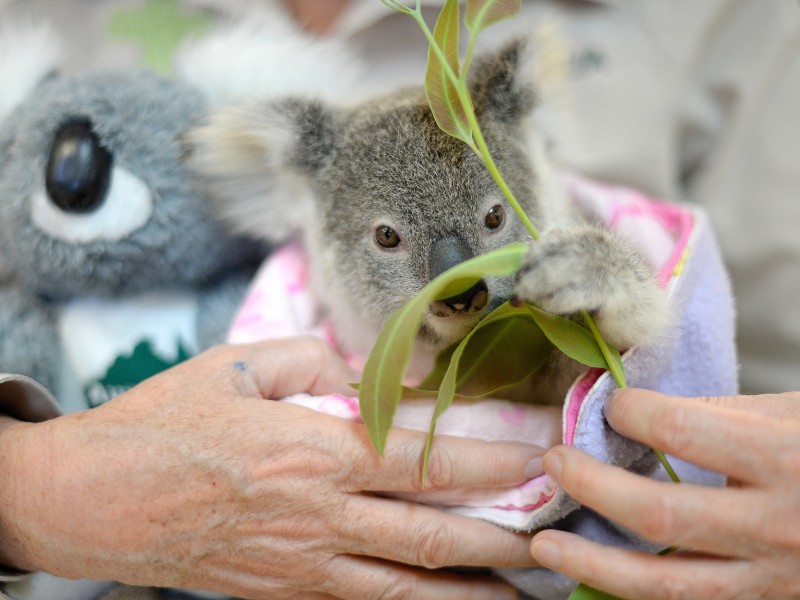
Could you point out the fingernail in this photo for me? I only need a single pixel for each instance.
(534, 468)
(547, 554)
(552, 465)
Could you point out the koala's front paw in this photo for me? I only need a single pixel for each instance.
(591, 269)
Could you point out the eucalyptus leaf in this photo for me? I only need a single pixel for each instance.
(433, 379)
(400, 7)
(611, 355)
(451, 380)
(381, 383)
(569, 337)
(442, 76)
(482, 13)
(584, 592)
(504, 349)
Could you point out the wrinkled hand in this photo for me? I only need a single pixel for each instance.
(193, 480)
(741, 541)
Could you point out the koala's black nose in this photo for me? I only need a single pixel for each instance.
(472, 300)
(444, 254)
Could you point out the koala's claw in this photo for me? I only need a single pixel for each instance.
(592, 269)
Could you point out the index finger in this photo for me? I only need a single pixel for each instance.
(785, 405)
(454, 463)
(709, 435)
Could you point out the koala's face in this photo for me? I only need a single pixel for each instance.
(383, 199)
(400, 202)
(93, 196)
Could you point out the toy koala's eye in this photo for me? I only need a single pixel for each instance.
(387, 237)
(495, 217)
(79, 168)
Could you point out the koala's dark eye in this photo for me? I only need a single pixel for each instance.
(495, 217)
(79, 168)
(387, 237)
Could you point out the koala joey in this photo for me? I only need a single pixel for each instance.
(384, 201)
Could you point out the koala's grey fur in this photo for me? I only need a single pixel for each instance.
(331, 176)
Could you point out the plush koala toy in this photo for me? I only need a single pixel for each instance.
(112, 267)
(384, 201)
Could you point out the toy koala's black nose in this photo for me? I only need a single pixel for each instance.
(472, 300)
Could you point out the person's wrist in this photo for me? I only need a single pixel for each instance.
(22, 465)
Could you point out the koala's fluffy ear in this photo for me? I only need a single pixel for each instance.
(247, 59)
(257, 161)
(28, 53)
(502, 83)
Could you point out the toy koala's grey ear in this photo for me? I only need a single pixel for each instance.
(257, 160)
(28, 53)
(502, 83)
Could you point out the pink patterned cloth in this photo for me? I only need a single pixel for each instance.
(279, 305)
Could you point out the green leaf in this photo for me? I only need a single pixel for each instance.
(482, 13)
(611, 355)
(503, 350)
(569, 337)
(381, 383)
(584, 592)
(442, 77)
(433, 379)
(400, 7)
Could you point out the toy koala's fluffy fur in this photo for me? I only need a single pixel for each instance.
(383, 201)
(99, 217)
(95, 202)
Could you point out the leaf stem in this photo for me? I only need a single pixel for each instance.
(479, 145)
(486, 156)
(616, 373)
(619, 377)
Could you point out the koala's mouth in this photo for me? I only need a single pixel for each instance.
(468, 303)
(450, 319)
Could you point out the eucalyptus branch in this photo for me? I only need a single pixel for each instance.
(460, 121)
(459, 83)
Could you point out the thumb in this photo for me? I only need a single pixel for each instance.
(296, 365)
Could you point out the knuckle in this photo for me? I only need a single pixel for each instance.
(716, 401)
(435, 547)
(675, 588)
(659, 523)
(578, 482)
(442, 470)
(395, 586)
(316, 349)
(220, 352)
(671, 433)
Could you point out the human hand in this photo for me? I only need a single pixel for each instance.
(193, 480)
(741, 541)
(317, 17)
